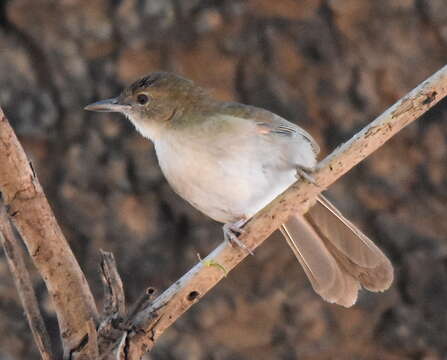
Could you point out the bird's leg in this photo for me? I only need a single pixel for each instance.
(305, 173)
(232, 231)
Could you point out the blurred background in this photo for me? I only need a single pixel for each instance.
(331, 66)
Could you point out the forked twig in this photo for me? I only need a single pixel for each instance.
(30, 212)
(16, 261)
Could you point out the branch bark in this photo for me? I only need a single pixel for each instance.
(153, 321)
(16, 262)
(114, 299)
(31, 214)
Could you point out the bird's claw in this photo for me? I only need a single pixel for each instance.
(232, 231)
(305, 174)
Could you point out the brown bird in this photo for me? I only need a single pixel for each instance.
(229, 160)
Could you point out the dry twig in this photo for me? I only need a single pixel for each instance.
(114, 311)
(31, 214)
(114, 300)
(16, 261)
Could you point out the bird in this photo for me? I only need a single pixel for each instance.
(229, 160)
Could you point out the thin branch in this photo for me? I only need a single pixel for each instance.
(91, 351)
(144, 301)
(115, 324)
(31, 214)
(114, 303)
(171, 304)
(16, 261)
(114, 300)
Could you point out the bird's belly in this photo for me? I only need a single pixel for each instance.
(224, 188)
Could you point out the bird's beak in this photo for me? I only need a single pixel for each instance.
(108, 105)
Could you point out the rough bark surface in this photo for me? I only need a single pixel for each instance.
(31, 214)
(329, 66)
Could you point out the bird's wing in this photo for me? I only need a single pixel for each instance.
(268, 123)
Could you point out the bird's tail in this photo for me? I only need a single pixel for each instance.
(337, 257)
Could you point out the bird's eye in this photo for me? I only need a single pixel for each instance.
(142, 99)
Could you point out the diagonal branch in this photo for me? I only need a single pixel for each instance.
(16, 262)
(177, 299)
(31, 214)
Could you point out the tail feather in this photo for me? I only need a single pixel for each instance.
(337, 257)
(327, 278)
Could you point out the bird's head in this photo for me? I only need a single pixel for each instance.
(154, 101)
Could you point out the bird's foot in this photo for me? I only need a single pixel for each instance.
(305, 173)
(232, 231)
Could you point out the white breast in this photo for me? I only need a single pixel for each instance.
(229, 177)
